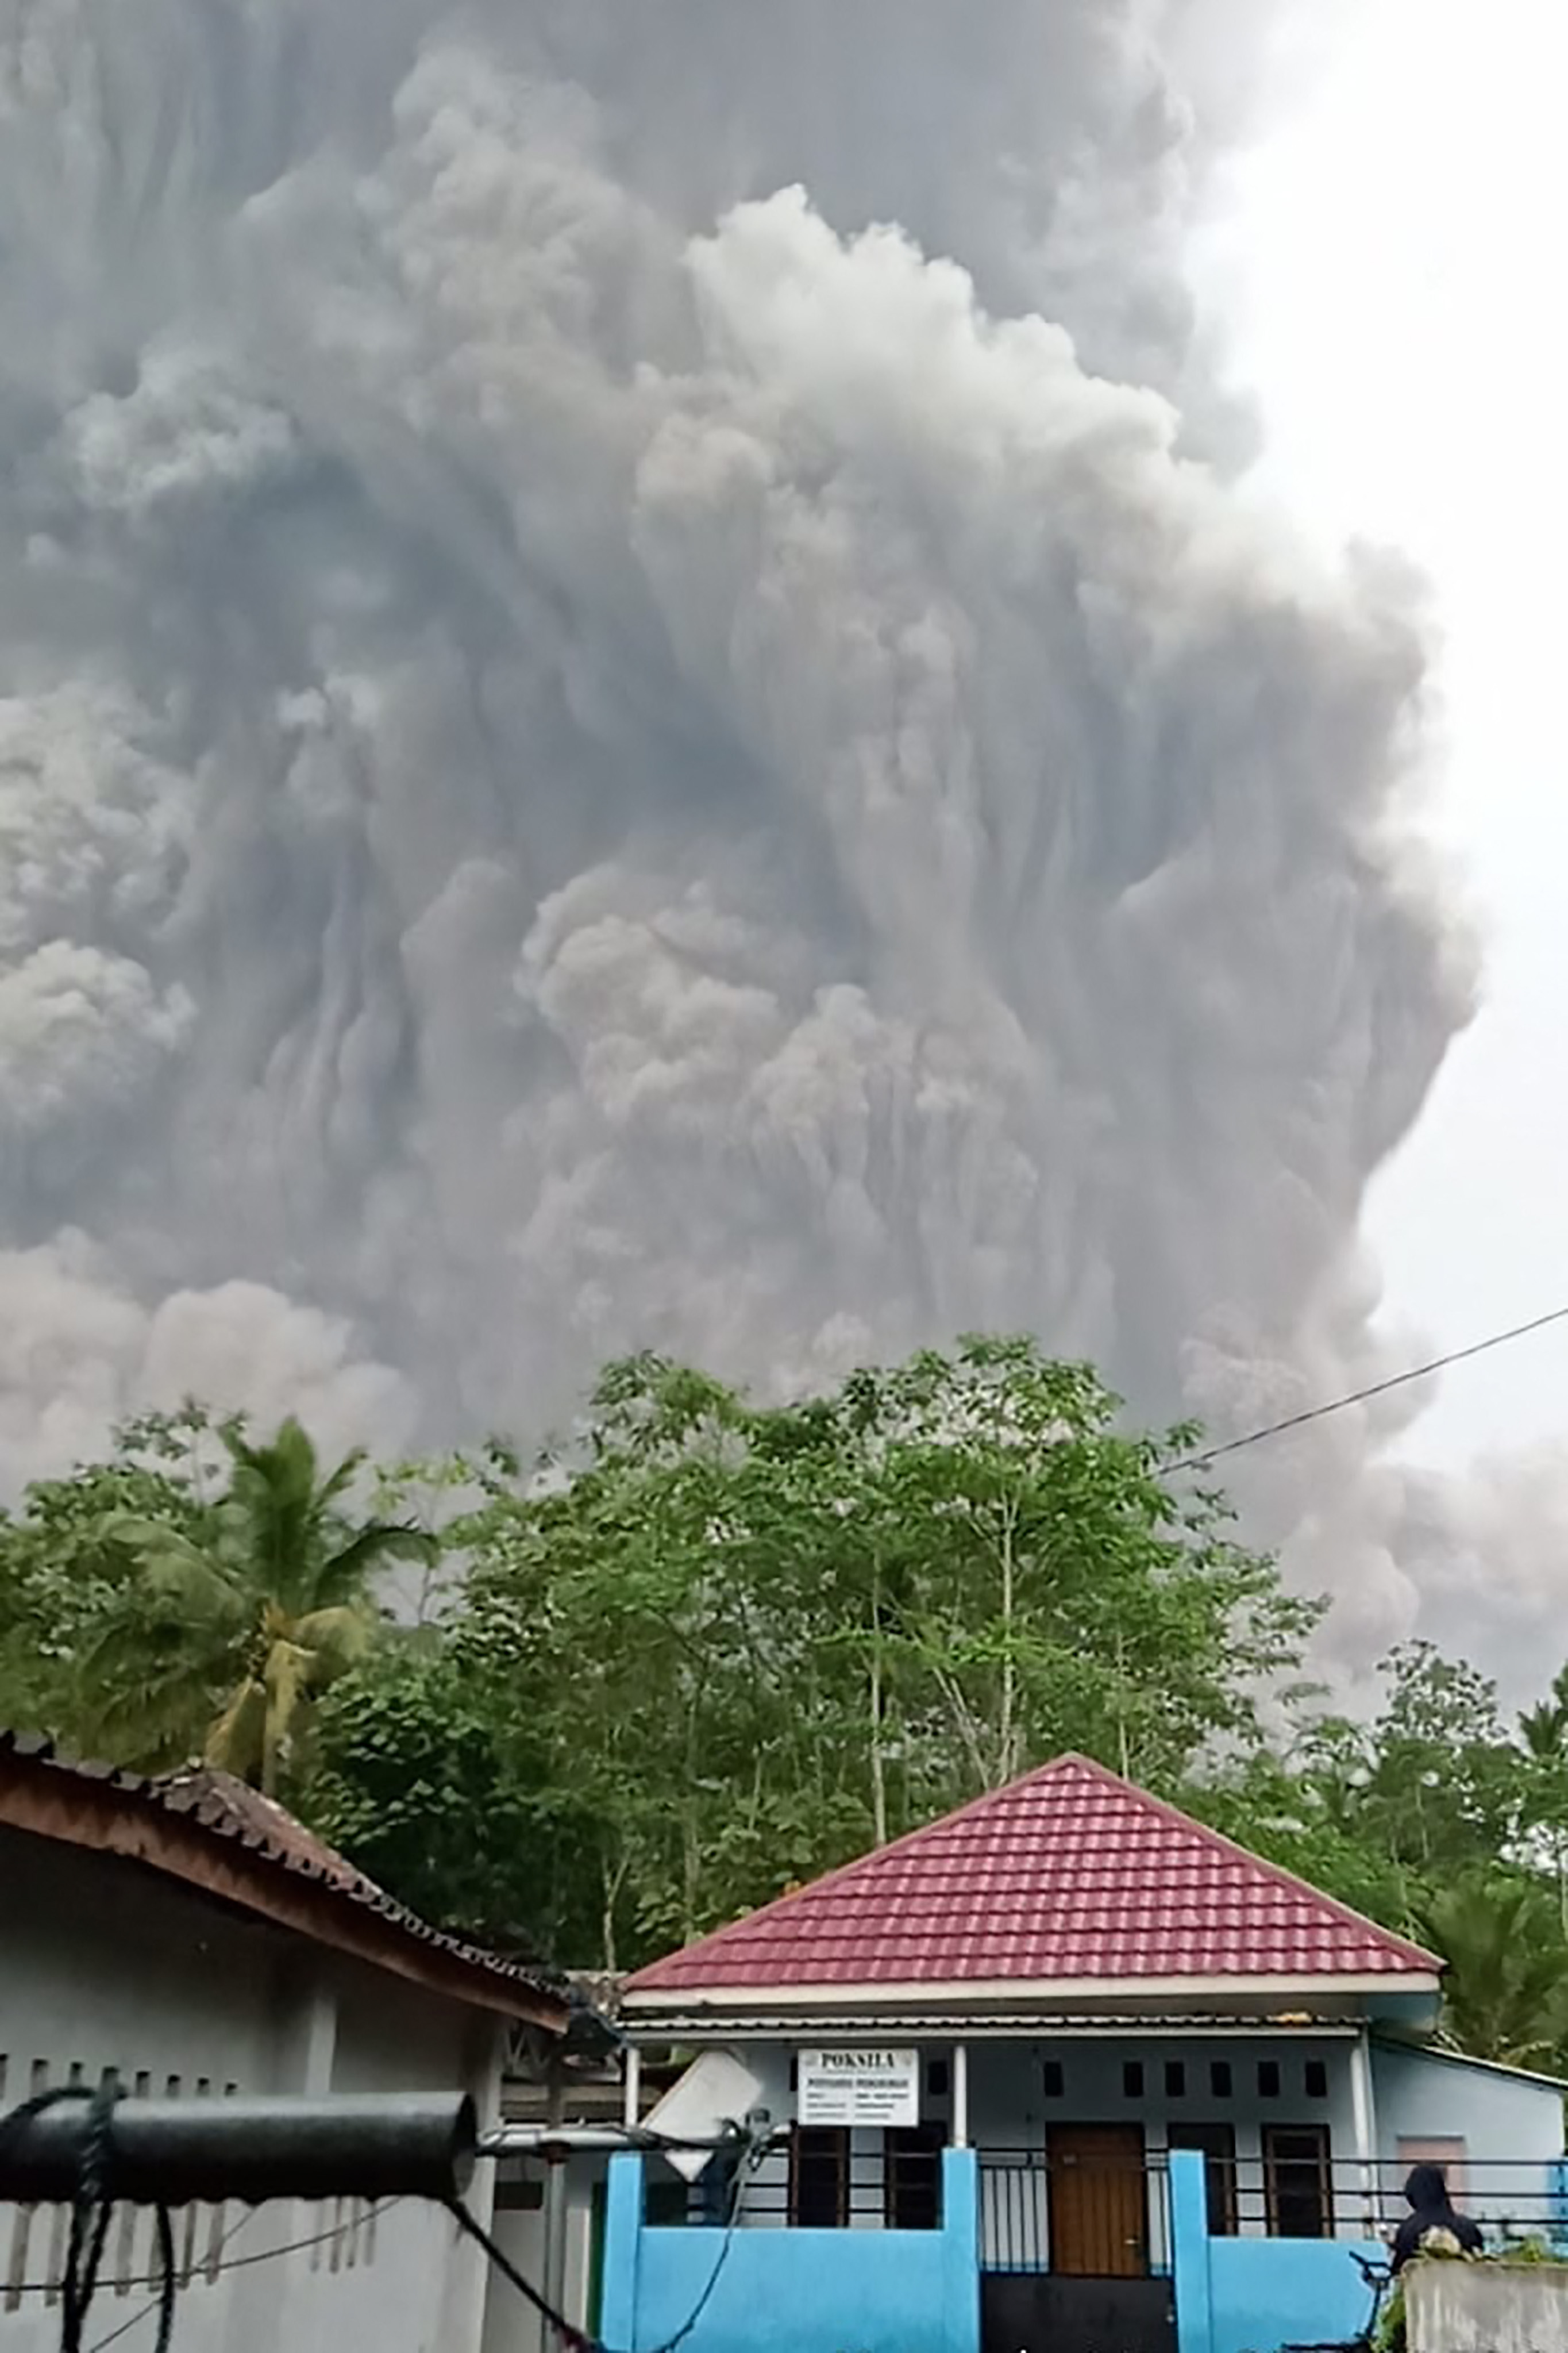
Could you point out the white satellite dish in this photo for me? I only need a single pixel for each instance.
(717, 2090)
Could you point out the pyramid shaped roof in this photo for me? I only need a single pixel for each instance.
(1069, 1878)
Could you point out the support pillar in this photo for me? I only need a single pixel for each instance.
(1190, 2251)
(623, 2251)
(1366, 2122)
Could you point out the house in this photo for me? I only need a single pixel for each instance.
(192, 1936)
(1066, 2068)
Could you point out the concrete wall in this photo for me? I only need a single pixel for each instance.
(1009, 2109)
(1247, 2295)
(1511, 2126)
(1486, 2307)
(510, 2325)
(803, 2292)
(1009, 2112)
(104, 1965)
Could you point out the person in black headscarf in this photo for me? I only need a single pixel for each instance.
(1432, 2209)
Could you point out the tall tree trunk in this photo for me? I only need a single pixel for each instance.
(610, 1884)
(878, 1775)
(1008, 1730)
(1123, 1752)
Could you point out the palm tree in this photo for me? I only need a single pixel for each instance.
(224, 1643)
(1543, 1735)
(1505, 1995)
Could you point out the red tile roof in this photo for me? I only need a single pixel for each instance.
(1070, 1875)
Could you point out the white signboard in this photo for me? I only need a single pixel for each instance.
(858, 2088)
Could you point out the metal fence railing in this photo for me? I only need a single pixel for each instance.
(1063, 2205)
(1294, 2189)
(1113, 2218)
(812, 2183)
(1051, 2207)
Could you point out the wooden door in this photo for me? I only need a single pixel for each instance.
(1098, 2207)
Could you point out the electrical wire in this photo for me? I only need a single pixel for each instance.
(93, 2207)
(576, 2339)
(164, 2303)
(208, 2270)
(1207, 1454)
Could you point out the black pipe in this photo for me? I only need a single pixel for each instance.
(208, 2151)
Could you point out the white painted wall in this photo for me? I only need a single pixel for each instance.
(106, 1965)
(511, 2326)
(1512, 2127)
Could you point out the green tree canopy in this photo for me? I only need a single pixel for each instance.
(241, 1611)
(753, 1639)
(711, 1646)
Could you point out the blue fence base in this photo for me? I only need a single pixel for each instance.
(791, 2291)
(1250, 2295)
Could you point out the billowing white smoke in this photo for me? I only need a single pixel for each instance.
(599, 749)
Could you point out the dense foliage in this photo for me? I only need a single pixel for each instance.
(710, 1647)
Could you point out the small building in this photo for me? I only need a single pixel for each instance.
(191, 1937)
(1066, 2068)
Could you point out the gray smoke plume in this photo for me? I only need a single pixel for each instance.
(642, 706)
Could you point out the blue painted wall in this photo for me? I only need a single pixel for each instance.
(1264, 2293)
(796, 2290)
(1251, 2296)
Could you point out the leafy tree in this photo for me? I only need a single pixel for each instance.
(63, 1570)
(234, 1626)
(1505, 1994)
(1543, 1804)
(438, 1791)
(710, 1647)
(752, 1639)
(1443, 1785)
(1302, 1809)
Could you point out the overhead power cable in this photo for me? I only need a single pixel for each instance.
(1207, 1454)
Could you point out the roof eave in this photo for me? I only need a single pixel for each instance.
(1280, 1994)
(99, 1814)
(1411, 2048)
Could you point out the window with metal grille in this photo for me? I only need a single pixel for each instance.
(1297, 2181)
(912, 2174)
(1216, 2144)
(819, 2178)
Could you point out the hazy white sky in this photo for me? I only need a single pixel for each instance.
(1396, 254)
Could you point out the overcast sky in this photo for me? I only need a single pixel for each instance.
(594, 753)
(1392, 254)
